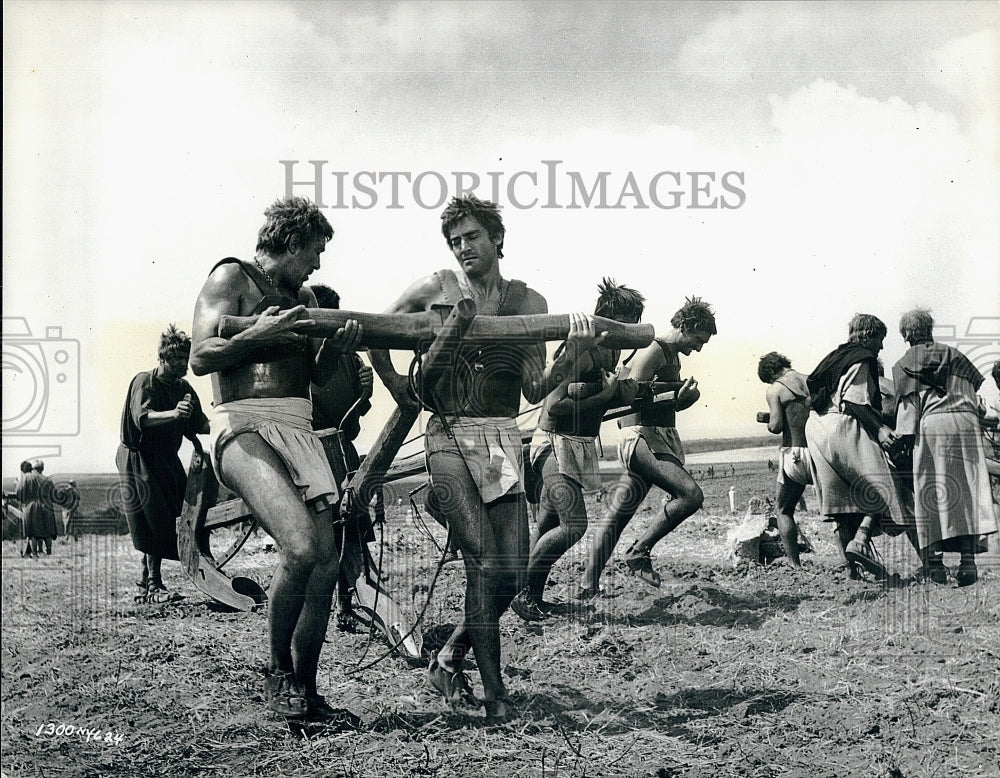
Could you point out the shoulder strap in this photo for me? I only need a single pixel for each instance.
(512, 302)
(449, 285)
(249, 271)
(795, 392)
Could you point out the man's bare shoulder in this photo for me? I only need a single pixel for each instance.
(797, 380)
(419, 296)
(227, 278)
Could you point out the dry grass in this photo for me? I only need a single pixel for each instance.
(763, 672)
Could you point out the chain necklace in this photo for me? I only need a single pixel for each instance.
(478, 364)
(504, 286)
(267, 275)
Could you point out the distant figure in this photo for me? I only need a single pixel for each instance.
(69, 500)
(22, 493)
(788, 409)
(938, 417)
(161, 409)
(39, 516)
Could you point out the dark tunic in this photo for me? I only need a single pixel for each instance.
(583, 423)
(487, 377)
(152, 477)
(332, 401)
(34, 492)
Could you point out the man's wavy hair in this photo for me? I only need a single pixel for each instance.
(917, 326)
(292, 216)
(174, 344)
(865, 326)
(618, 302)
(695, 316)
(486, 212)
(771, 365)
(326, 297)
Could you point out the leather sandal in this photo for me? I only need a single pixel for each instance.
(498, 711)
(284, 696)
(454, 686)
(863, 555)
(321, 710)
(967, 574)
(641, 566)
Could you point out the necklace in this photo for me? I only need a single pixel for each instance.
(267, 275)
(504, 286)
(478, 362)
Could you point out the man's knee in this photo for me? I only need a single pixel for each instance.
(692, 496)
(304, 551)
(575, 525)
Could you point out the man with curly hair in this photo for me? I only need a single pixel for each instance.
(473, 445)
(566, 458)
(161, 409)
(266, 450)
(788, 408)
(652, 453)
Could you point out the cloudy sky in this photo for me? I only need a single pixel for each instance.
(791, 163)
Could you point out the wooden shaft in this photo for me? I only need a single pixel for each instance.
(666, 399)
(436, 362)
(417, 330)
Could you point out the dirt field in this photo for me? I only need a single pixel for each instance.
(721, 672)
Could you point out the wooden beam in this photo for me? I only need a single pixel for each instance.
(416, 331)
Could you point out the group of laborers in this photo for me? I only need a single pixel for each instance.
(271, 384)
(900, 456)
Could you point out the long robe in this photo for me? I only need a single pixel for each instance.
(850, 471)
(952, 496)
(34, 492)
(152, 478)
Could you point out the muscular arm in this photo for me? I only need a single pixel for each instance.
(419, 296)
(222, 294)
(539, 379)
(776, 410)
(561, 404)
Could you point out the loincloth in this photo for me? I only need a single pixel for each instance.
(285, 424)
(661, 440)
(490, 447)
(795, 464)
(576, 456)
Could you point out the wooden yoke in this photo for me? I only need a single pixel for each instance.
(437, 331)
(440, 357)
(418, 330)
(200, 515)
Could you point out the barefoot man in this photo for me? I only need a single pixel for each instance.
(473, 446)
(788, 410)
(266, 451)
